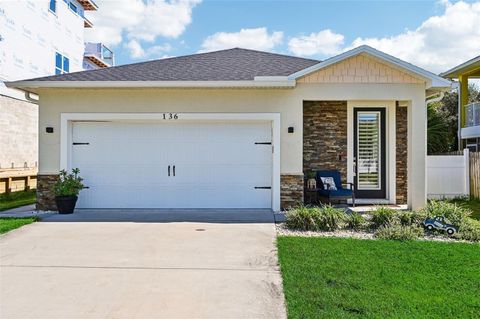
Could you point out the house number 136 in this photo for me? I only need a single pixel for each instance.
(170, 116)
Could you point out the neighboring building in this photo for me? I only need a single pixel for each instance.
(38, 38)
(236, 129)
(468, 111)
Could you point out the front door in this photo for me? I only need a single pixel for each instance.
(370, 150)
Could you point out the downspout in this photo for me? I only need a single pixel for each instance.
(30, 99)
(436, 99)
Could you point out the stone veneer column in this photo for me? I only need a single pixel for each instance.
(291, 190)
(45, 193)
(402, 154)
(325, 136)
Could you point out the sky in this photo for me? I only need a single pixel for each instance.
(435, 35)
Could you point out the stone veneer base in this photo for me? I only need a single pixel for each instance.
(291, 190)
(45, 193)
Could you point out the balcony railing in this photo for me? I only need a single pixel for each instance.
(472, 114)
(99, 54)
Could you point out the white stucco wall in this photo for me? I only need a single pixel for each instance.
(288, 102)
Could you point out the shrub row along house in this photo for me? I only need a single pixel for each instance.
(235, 128)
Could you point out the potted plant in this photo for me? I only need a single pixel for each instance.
(311, 181)
(66, 191)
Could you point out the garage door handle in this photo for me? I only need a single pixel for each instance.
(173, 170)
(168, 170)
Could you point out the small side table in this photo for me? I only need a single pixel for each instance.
(311, 195)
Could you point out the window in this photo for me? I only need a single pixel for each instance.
(53, 5)
(62, 64)
(72, 7)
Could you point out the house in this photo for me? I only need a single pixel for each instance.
(468, 113)
(235, 128)
(38, 38)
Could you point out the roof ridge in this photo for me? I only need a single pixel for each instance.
(183, 56)
(260, 59)
(275, 53)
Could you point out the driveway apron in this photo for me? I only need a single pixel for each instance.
(217, 268)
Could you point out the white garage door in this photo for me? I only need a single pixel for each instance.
(180, 165)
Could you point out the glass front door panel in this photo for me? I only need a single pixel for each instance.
(368, 150)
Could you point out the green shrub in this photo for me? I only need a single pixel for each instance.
(454, 213)
(302, 218)
(469, 230)
(314, 218)
(355, 221)
(383, 216)
(399, 232)
(330, 218)
(408, 218)
(68, 184)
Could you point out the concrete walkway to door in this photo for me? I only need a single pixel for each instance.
(142, 267)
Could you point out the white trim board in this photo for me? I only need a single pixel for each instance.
(260, 82)
(67, 119)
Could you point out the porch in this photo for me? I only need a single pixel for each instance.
(366, 141)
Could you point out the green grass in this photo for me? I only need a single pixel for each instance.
(10, 223)
(349, 278)
(17, 199)
(472, 204)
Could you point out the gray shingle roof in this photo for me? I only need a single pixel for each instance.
(225, 65)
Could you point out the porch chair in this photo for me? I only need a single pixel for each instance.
(331, 187)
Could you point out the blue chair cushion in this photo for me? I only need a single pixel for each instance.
(334, 174)
(338, 193)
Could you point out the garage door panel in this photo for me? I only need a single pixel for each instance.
(217, 165)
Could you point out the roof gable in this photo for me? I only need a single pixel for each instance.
(471, 68)
(361, 68)
(431, 80)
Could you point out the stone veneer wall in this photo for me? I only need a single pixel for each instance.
(325, 136)
(402, 153)
(45, 194)
(291, 190)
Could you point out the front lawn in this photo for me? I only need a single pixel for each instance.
(10, 223)
(17, 199)
(351, 278)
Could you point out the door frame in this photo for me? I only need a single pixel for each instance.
(66, 130)
(382, 192)
(390, 116)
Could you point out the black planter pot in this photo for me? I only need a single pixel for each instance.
(66, 204)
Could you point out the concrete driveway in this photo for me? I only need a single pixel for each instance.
(87, 267)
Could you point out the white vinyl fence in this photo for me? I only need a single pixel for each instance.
(448, 175)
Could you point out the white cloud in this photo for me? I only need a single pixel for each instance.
(325, 42)
(438, 44)
(136, 20)
(137, 51)
(257, 39)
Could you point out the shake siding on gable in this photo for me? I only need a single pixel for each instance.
(360, 69)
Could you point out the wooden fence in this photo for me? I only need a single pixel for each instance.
(475, 174)
(17, 180)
